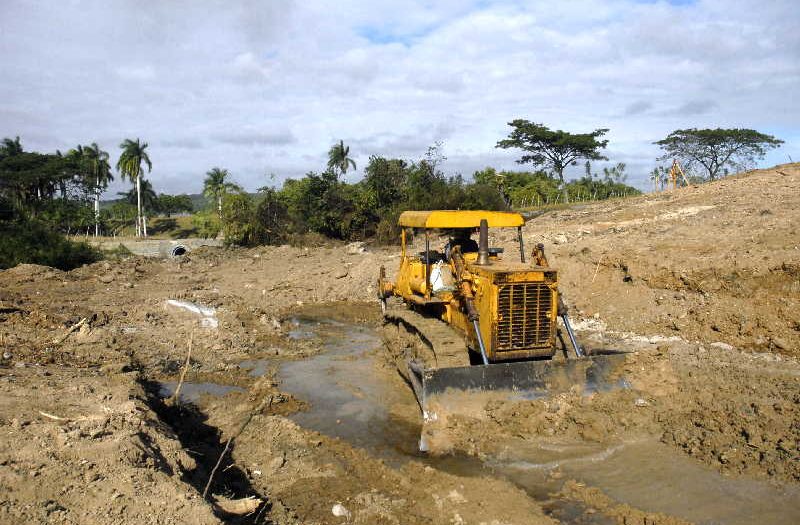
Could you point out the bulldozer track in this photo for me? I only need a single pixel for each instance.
(448, 346)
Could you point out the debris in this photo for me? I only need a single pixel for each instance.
(340, 511)
(71, 329)
(725, 347)
(341, 273)
(265, 403)
(208, 315)
(176, 396)
(237, 507)
(355, 248)
(51, 416)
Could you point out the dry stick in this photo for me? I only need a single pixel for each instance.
(265, 403)
(51, 416)
(69, 331)
(597, 268)
(175, 399)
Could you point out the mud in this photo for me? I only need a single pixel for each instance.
(701, 283)
(351, 397)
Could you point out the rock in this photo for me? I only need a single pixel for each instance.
(341, 273)
(7, 355)
(355, 248)
(340, 511)
(560, 239)
(725, 347)
(106, 278)
(277, 463)
(640, 402)
(780, 343)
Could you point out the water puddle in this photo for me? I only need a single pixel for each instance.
(353, 399)
(192, 392)
(348, 400)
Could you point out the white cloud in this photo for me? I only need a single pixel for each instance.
(261, 87)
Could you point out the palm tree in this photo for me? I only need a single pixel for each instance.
(216, 186)
(338, 158)
(100, 176)
(77, 159)
(129, 166)
(146, 195)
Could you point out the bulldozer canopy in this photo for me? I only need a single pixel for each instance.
(459, 219)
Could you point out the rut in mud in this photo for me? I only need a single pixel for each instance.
(354, 396)
(208, 447)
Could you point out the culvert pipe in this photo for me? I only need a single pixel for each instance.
(178, 250)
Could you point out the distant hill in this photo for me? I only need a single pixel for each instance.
(199, 202)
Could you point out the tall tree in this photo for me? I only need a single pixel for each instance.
(99, 176)
(339, 158)
(146, 195)
(553, 149)
(714, 149)
(129, 166)
(217, 185)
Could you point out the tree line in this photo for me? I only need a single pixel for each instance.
(61, 192)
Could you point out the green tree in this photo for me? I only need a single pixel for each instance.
(144, 196)
(339, 159)
(169, 204)
(10, 147)
(384, 180)
(129, 166)
(217, 185)
(553, 149)
(714, 149)
(100, 176)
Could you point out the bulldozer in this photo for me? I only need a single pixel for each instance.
(484, 324)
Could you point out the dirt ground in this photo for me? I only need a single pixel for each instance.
(703, 284)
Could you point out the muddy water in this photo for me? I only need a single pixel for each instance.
(348, 400)
(353, 399)
(192, 392)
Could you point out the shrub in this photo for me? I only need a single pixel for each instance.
(32, 242)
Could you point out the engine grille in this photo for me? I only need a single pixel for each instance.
(523, 316)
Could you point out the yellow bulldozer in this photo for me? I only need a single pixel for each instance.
(484, 323)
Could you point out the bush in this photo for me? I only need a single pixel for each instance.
(206, 223)
(32, 242)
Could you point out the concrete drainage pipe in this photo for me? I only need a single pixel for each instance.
(179, 250)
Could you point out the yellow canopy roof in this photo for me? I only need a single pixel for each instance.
(459, 219)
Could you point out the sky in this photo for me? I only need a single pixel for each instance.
(264, 88)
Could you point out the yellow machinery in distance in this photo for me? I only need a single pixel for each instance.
(505, 312)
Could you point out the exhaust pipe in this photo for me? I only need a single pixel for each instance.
(483, 244)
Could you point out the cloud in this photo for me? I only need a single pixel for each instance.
(182, 143)
(255, 138)
(262, 87)
(638, 107)
(694, 107)
(133, 72)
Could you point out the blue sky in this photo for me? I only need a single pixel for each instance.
(265, 87)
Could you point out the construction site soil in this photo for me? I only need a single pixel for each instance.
(288, 412)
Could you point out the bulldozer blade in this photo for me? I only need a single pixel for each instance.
(518, 380)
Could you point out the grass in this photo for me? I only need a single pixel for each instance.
(176, 227)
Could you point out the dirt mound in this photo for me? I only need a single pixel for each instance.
(716, 262)
(88, 450)
(29, 272)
